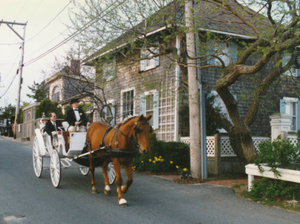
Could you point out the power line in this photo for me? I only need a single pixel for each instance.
(50, 21)
(9, 43)
(12, 66)
(69, 38)
(9, 85)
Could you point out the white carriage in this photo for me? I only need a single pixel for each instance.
(65, 148)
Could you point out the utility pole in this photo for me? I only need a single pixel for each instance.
(10, 25)
(194, 111)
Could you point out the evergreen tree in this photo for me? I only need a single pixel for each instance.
(47, 106)
(39, 90)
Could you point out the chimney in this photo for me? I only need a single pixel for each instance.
(75, 66)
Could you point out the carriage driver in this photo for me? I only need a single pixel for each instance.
(76, 117)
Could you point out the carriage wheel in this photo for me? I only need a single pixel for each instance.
(37, 159)
(111, 173)
(55, 169)
(84, 170)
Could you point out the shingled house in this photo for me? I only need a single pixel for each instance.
(153, 85)
(69, 83)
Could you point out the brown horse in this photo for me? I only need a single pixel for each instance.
(119, 141)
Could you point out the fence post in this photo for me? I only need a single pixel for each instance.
(217, 154)
(283, 135)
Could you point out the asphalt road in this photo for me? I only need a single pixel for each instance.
(25, 198)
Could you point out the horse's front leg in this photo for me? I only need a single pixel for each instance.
(128, 169)
(107, 189)
(119, 181)
(92, 169)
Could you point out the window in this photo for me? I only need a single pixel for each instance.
(108, 112)
(291, 106)
(109, 70)
(127, 103)
(229, 50)
(56, 93)
(220, 104)
(149, 105)
(292, 71)
(152, 62)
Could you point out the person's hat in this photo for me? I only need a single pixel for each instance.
(74, 101)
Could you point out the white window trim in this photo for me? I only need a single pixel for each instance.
(108, 102)
(123, 91)
(288, 109)
(153, 64)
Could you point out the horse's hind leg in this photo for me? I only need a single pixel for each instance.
(107, 189)
(128, 170)
(92, 169)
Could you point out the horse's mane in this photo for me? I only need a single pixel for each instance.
(126, 120)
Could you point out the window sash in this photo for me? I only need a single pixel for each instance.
(127, 103)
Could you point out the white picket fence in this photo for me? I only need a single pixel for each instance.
(226, 149)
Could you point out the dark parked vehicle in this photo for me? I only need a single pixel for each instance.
(5, 127)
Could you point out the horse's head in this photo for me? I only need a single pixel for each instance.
(142, 129)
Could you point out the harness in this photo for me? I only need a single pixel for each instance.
(120, 153)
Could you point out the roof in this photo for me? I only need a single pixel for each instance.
(31, 106)
(212, 19)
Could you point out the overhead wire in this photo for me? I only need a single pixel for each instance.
(13, 65)
(50, 21)
(70, 37)
(9, 86)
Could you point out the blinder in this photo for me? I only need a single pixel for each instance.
(137, 130)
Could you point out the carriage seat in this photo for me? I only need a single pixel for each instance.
(66, 136)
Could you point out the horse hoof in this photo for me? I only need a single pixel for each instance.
(123, 202)
(94, 191)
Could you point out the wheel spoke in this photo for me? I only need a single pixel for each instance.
(55, 173)
(37, 159)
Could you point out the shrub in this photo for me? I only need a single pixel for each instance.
(163, 157)
(279, 153)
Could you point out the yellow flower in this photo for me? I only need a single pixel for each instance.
(185, 169)
(171, 162)
(160, 157)
(80, 114)
(155, 158)
(154, 161)
(133, 168)
(177, 167)
(162, 160)
(142, 161)
(150, 160)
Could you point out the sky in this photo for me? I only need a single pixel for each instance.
(45, 29)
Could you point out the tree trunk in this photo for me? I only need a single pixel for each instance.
(242, 146)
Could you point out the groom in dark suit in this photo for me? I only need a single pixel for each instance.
(76, 117)
(52, 124)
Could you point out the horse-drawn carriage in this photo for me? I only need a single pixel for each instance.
(110, 147)
(64, 148)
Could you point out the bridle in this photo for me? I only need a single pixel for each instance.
(137, 129)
